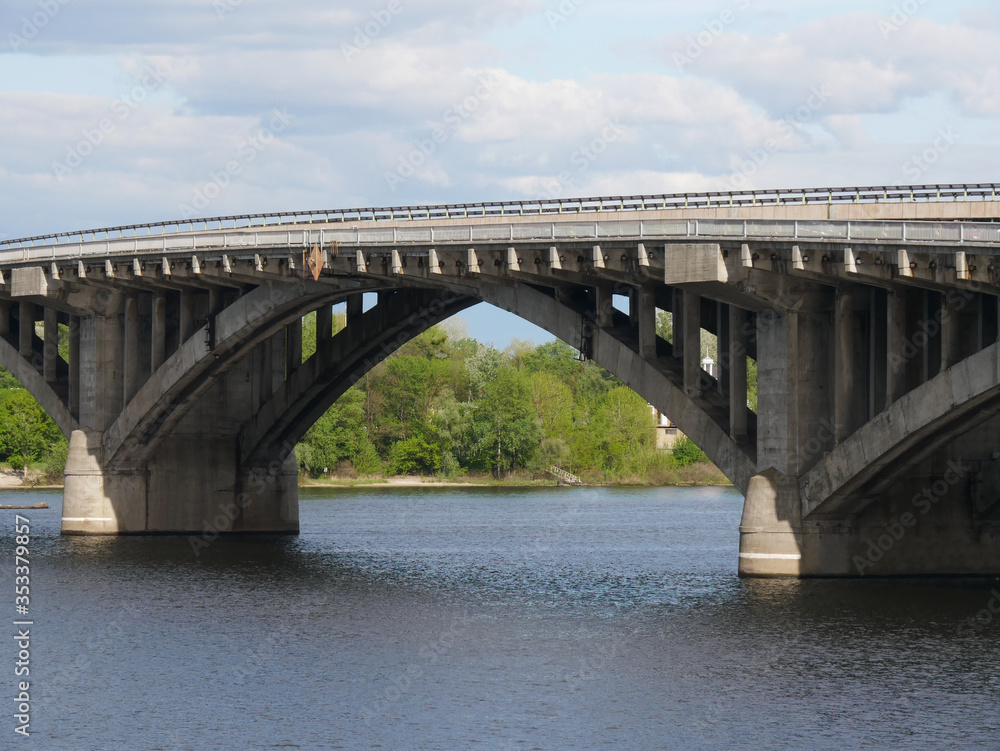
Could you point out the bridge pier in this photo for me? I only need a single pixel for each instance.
(191, 487)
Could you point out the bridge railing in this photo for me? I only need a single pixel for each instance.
(913, 233)
(540, 207)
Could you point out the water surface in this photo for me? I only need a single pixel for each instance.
(490, 619)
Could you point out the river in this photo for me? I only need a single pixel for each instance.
(488, 619)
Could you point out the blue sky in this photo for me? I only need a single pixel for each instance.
(116, 112)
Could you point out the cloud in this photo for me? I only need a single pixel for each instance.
(872, 63)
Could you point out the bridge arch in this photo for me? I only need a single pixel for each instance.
(282, 422)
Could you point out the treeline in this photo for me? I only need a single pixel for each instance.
(447, 405)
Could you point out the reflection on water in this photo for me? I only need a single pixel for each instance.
(493, 619)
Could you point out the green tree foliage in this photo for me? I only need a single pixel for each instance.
(506, 430)
(337, 436)
(26, 432)
(627, 430)
(446, 404)
(686, 452)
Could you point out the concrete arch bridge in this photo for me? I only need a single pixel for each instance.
(872, 314)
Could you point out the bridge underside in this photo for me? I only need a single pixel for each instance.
(874, 448)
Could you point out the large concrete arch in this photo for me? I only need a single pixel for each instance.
(282, 422)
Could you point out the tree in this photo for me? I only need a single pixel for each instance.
(414, 456)
(26, 432)
(506, 430)
(626, 431)
(337, 436)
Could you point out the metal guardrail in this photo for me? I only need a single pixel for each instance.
(949, 233)
(871, 194)
(566, 477)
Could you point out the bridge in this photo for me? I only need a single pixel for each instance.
(872, 315)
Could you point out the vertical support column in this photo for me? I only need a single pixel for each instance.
(131, 348)
(895, 347)
(355, 308)
(771, 527)
(50, 352)
(692, 344)
(187, 314)
(930, 332)
(159, 332)
(26, 311)
(725, 358)
(4, 318)
(324, 324)
(737, 373)
(845, 388)
(645, 299)
(877, 352)
(989, 317)
(324, 332)
(633, 306)
(101, 372)
(951, 332)
(293, 348)
(74, 366)
(214, 301)
(275, 358)
(678, 321)
(605, 306)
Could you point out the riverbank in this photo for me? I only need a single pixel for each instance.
(695, 475)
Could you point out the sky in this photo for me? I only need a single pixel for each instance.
(115, 112)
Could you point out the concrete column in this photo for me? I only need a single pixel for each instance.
(130, 352)
(27, 329)
(276, 360)
(50, 353)
(355, 308)
(989, 318)
(692, 344)
(324, 324)
(737, 373)
(605, 306)
(214, 301)
(159, 332)
(324, 333)
(724, 364)
(895, 347)
(951, 332)
(646, 313)
(877, 352)
(101, 371)
(777, 343)
(931, 328)
(771, 540)
(187, 314)
(678, 321)
(293, 348)
(74, 366)
(4, 318)
(770, 530)
(634, 305)
(845, 387)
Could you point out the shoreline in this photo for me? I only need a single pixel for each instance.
(12, 481)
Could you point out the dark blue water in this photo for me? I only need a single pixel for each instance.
(488, 619)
